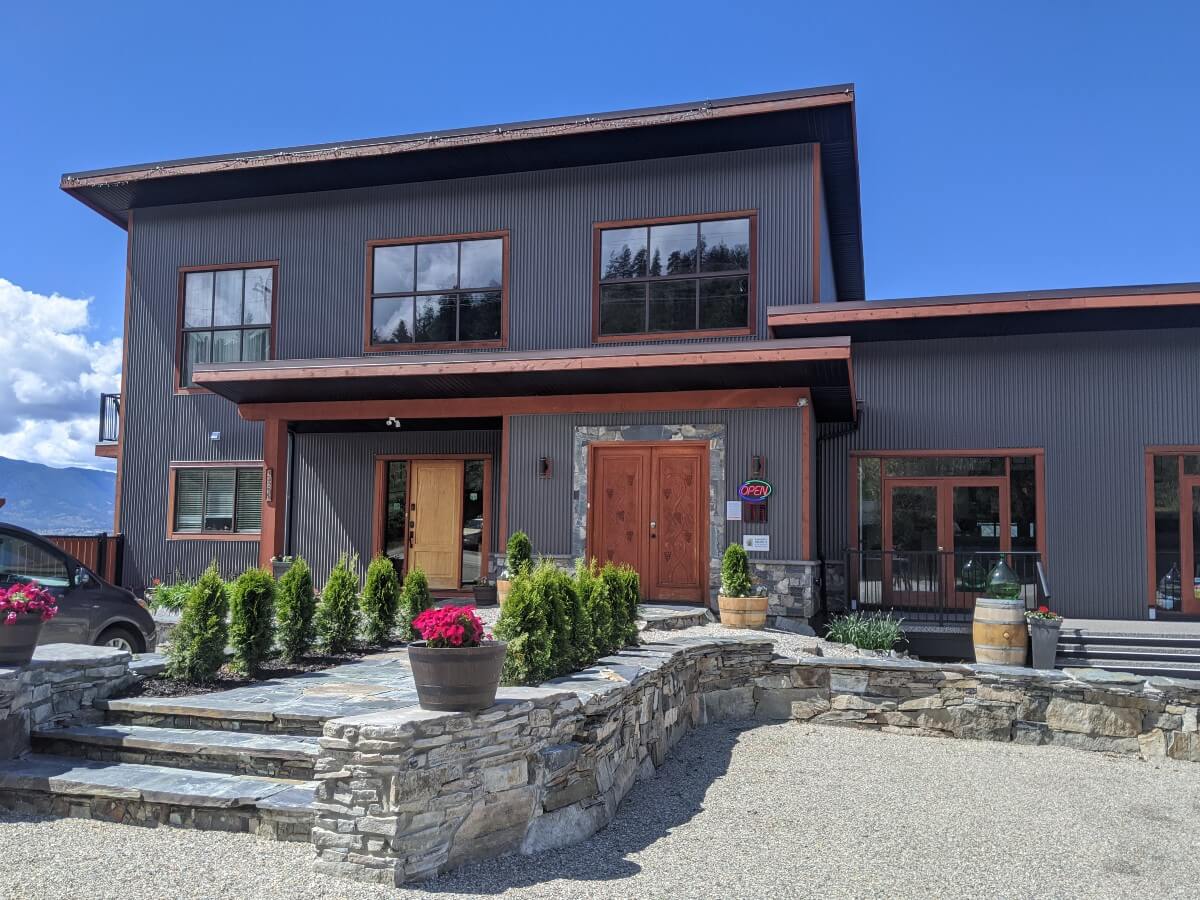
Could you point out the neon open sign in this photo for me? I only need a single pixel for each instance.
(755, 490)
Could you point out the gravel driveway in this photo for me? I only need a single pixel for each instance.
(774, 811)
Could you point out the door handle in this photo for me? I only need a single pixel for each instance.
(653, 525)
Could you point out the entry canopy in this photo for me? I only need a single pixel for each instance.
(308, 386)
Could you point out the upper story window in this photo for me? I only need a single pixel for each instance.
(227, 317)
(661, 278)
(437, 292)
(216, 500)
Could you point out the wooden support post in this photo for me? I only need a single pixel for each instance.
(274, 505)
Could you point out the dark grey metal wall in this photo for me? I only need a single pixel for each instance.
(1093, 401)
(542, 507)
(333, 499)
(319, 240)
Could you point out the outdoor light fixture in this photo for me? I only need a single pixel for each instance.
(545, 467)
(214, 435)
(393, 422)
(802, 402)
(758, 466)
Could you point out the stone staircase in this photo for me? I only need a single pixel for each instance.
(1138, 652)
(151, 762)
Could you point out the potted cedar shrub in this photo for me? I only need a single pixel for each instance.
(485, 592)
(1044, 627)
(455, 666)
(24, 607)
(740, 606)
(280, 566)
(518, 559)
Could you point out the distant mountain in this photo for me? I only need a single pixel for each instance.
(56, 501)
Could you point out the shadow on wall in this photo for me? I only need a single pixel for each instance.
(653, 809)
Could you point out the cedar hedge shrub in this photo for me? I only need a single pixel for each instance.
(337, 613)
(414, 600)
(520, 554)
(524, 624)
(381, 599)
(251, 619)
(197, 648)
(735, 572)
(295, 606)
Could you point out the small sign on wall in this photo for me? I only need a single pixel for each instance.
(733, 510)
(756, 543)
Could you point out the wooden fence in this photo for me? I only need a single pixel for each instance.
(99, 552)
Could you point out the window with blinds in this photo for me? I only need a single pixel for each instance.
(217, 500)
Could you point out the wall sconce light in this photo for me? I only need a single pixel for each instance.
(758, 466)
(545, 467)
(214, 435)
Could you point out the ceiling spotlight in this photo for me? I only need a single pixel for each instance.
(393, 422)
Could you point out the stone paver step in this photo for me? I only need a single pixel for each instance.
(157, 795)
(270, 755)
(1146, 668)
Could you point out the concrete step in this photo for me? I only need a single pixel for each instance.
(138, 794)
(268, 755)
(1130, 651)
(206, 712)
(1146, 667)
(1097, 639)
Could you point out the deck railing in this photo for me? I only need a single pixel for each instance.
(110, 418)
(936, 585)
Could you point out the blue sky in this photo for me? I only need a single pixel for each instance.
(1002, 146)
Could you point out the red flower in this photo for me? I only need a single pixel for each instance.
(450, 626)
(20, 598)
(1043, 609)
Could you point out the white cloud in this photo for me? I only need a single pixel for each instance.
(51, 378)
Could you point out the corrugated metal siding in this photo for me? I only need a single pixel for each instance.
(319, 240)
(333, 499)
(542, 507)
(829, 289)
(1092, 401)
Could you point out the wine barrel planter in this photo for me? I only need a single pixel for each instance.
(18, 640)
(743, 612)
(502, 588)
(999, 631)
(456, 679)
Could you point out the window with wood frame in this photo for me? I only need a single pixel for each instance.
(216, 500)
(675, 276)
(437, 292)
(226, 317)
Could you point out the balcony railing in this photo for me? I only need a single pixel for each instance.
(936, 585)
(110, 418)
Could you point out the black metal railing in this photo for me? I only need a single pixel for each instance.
(110, 418)
(936, 585)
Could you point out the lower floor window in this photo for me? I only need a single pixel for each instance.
(217, 500)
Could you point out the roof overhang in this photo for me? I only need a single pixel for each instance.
(823, 115)
(975, 315)
(526, 382)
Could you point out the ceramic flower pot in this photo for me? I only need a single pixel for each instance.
(1043, 635)
(743, 612)
(457, 679)
(18, 640)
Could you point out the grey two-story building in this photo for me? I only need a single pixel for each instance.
(639, 336)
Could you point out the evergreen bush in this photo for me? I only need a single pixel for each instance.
(251, 619)
(554, 590)
(591, 590)
(381, 599)
(295, 606)
(337, 613)
(735, 572)
(414, 600)
(197, 648)
(523, 624)
(620, 585)
(520, 554)
(583, 640)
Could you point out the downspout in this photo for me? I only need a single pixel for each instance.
(848, 428)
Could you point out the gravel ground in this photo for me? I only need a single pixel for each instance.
(775, 811)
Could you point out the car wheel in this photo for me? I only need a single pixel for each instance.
(120, 638)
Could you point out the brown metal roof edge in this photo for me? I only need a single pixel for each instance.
(792, 349)
(539, 128)
(1144, 295)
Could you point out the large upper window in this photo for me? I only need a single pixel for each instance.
(436, 292)
(217, 500)
(226, 317)
(676, 276)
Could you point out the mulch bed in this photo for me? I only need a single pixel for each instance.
(165, 686)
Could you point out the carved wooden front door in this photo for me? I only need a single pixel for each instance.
(649, 510)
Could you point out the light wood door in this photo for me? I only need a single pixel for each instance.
(435, 522)
(649, 510)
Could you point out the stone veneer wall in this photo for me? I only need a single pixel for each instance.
(791, 591)
(58, 686)
(409, 793)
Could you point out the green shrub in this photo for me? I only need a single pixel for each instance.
(337, 613)
(530, 656)
(735, 572)
(381, 599)
(520, 554)
(620, 585)
(591, 590)
(583, 639)
(414, 600)
(554, 590)
(866, 632)
(295, 605)
(251, 619)
(171, 596)
(197, 649)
